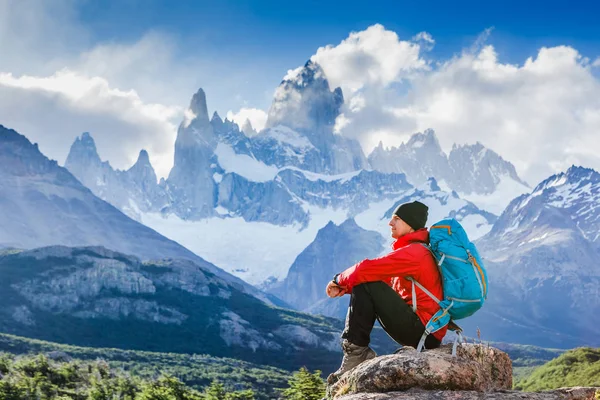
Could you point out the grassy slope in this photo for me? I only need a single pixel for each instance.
(577, 367)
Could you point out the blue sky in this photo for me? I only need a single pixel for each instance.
(266, 38)
(521, 77)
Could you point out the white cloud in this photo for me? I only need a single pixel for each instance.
(374, 56)
(257, 117)
(59, 83)
(423, 36)
(542, 114)
(539, 115)
(53, 110)
(370, 66)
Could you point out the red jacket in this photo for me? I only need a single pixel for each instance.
(406, 260)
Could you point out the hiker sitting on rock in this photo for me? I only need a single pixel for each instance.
(379, 289)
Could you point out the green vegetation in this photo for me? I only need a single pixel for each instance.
(37, 377)
(196, 371)
(305, 386)
(578, 367)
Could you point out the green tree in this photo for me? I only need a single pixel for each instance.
(305, 386)
(216, 391)
(9, 391)
(240, 395)
(168, 388)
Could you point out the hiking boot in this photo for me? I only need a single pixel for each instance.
(353, 355)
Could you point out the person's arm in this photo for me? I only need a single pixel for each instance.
(333, 289)
(402, 262)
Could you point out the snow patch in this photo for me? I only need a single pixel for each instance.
(253, 251)
(417, 144)
(313, 176)
(222, 210)
(476, 226)
(285, 135)
(496, 202)
(244, 165)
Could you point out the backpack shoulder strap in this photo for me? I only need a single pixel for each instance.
(415, 282)
(427, 292)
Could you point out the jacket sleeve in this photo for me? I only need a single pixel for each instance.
(405, 261)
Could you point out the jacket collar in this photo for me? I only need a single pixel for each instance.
(422, 236)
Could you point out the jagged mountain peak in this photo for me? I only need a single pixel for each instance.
(472, 147)
(475, 149)
(479, 169)
(216, 118)
(304, 101)
(248, 129)
(350, 223)
(86, 142)
(198, 105)
(19, 156)
(306, 75)
(327, 228)
(575, 193)
(87, 139)
(574, 177)
(143, 162)
(8, 135)
(143, 157)
(427, 140)
(83, 151)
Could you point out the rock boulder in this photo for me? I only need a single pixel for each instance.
(475, 368)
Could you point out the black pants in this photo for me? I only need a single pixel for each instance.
(372, 300)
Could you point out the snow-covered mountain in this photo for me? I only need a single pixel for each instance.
(277, 219)
(299, 129)
(542, 258)
(476, 169)
(575, 192)
(420, 158)
(42, 204)
(191, 178)
(270, 215)
(267, 195)
(475, 172)
(442, 204)
(132, 191)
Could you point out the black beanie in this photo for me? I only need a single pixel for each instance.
(414, 214)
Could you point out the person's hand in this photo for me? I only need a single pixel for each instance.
(334, 290)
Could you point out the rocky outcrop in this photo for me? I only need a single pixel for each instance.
(477, 372)
(475, 367)
(578, 393)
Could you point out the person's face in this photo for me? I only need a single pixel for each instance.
(399, 227)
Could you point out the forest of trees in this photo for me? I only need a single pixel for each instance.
(39, 377)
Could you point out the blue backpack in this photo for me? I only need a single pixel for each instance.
(464, 278)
